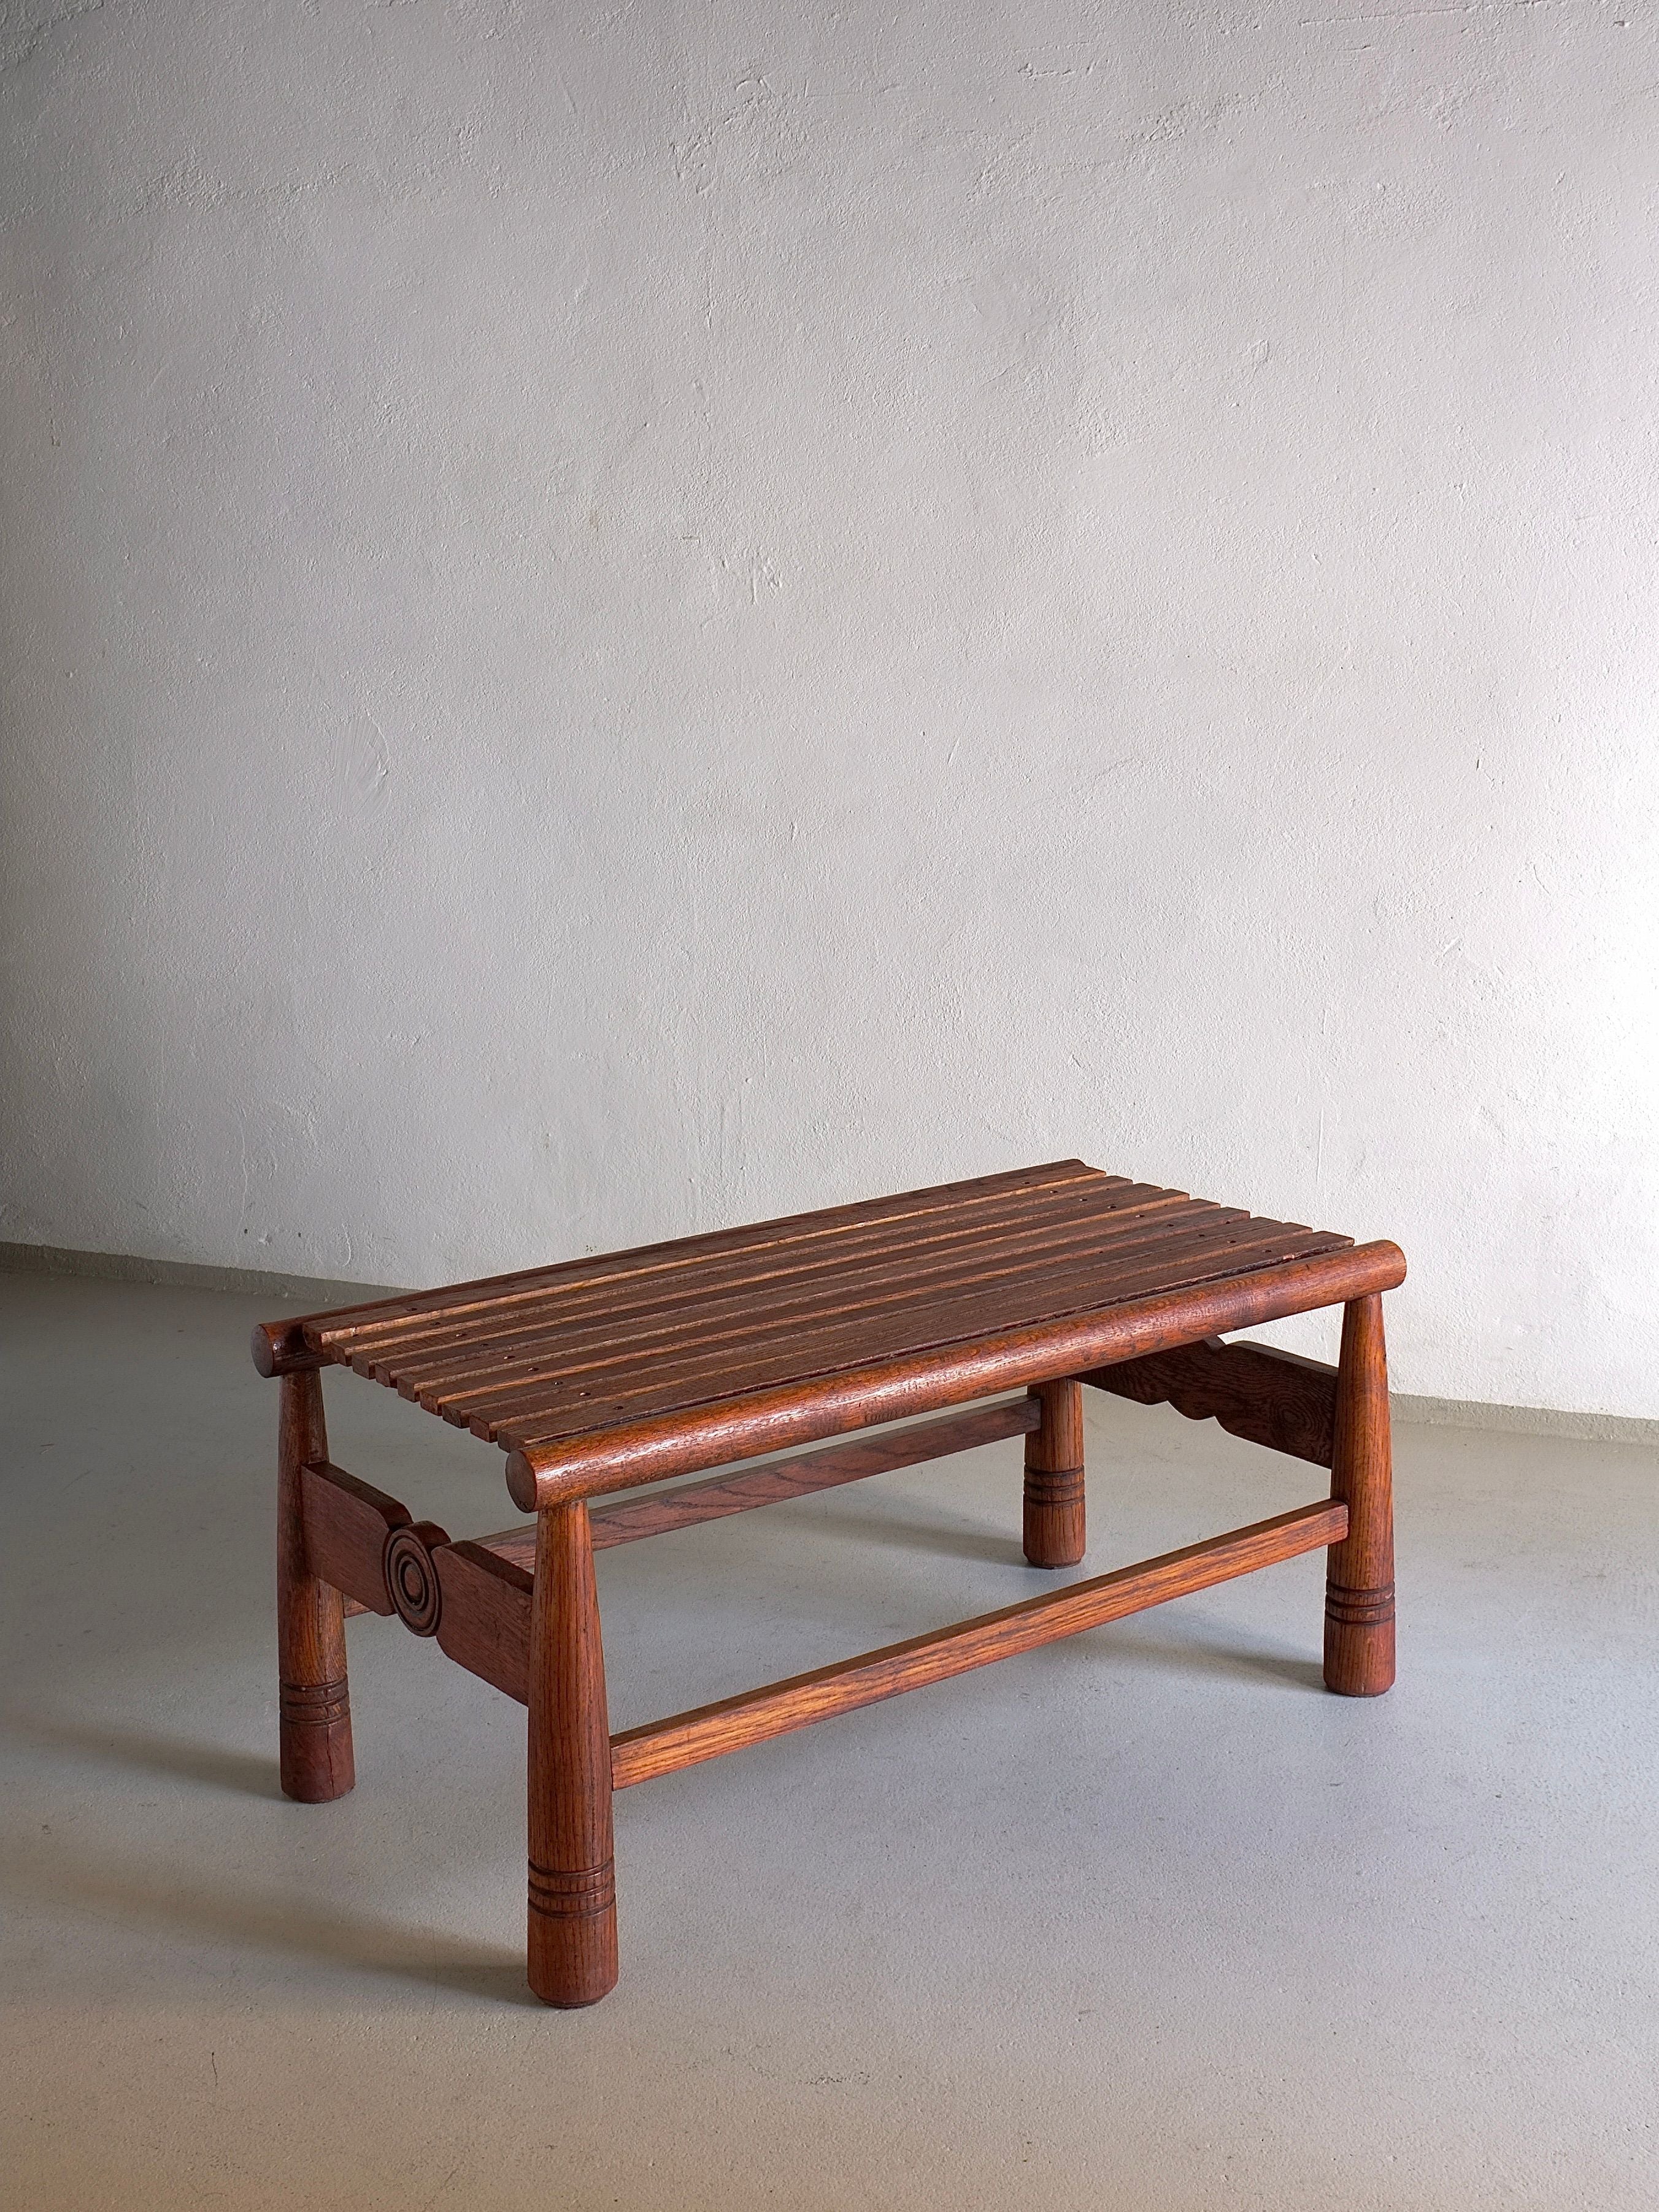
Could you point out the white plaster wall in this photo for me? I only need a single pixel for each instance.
(622, 617)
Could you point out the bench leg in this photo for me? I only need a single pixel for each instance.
(1053, 1477)
(314, 1704)
(573, 1886)
(1359, 1582)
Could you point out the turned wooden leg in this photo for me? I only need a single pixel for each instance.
(572, 1885)
(1053, 1477)
(1359, 1582)
(314, 1705)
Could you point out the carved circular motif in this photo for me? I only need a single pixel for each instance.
(411, 1579)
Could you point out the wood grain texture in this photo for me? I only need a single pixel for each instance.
(279, 1347)
(684, 1739)
(779, 1481)
(550, 1362)
(903, 1214)
(1266, 1396)
(684, 1438)
(1054, 1527)
(640, 1376)
(292, 1343)
(597, 1332)
(484, 1622)
(572, 1889)
(313, 1699)
(766, 1261)
(347, 1524)
(1359, 1643)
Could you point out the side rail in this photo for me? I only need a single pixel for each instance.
(1265, 1397)
(474, 1597)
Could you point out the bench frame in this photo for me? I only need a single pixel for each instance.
(520, 1609)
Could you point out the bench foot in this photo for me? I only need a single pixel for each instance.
(1053, 1512)
(1359, 1659)
(314, 1701)
(573, 1884)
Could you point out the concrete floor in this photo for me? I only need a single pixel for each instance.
(1143, 1920)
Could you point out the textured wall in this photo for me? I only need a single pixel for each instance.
(616, 618)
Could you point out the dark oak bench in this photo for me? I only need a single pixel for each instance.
(599, 1376)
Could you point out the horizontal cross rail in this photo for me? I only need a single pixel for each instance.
(684, 1739)
(782, 1478)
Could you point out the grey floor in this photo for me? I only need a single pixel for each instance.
(1145, 1919)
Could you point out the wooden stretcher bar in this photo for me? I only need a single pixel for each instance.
(684, 1739)
(781, 1479)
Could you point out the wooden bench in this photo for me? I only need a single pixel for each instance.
(599, 1376)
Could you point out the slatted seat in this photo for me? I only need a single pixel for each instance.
(599, 1375)
(685, 1337)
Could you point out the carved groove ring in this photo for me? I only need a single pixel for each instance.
(1358, 1609)
(573, 1892)
(1054, 1486)
(314, 1704)
(412, 1575)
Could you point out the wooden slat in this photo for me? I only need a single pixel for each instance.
(599, 1384)
(779, 1481)
(698, 1309)
(497, 1292)
(681, 1439)
(309, 1341)
(571, 1406)
(1268, 1397)
(698, 1333)
(608, 1292)
(710, 1731)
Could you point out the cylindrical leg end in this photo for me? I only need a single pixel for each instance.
(573, 1933)
(1358, 1641)
(1359, 1581)
(1055, 1531)
(573, 1883)
(313, 1707)
(1054, 1517)
(315, 1736)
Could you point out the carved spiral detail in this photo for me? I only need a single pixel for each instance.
(412, 1575)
